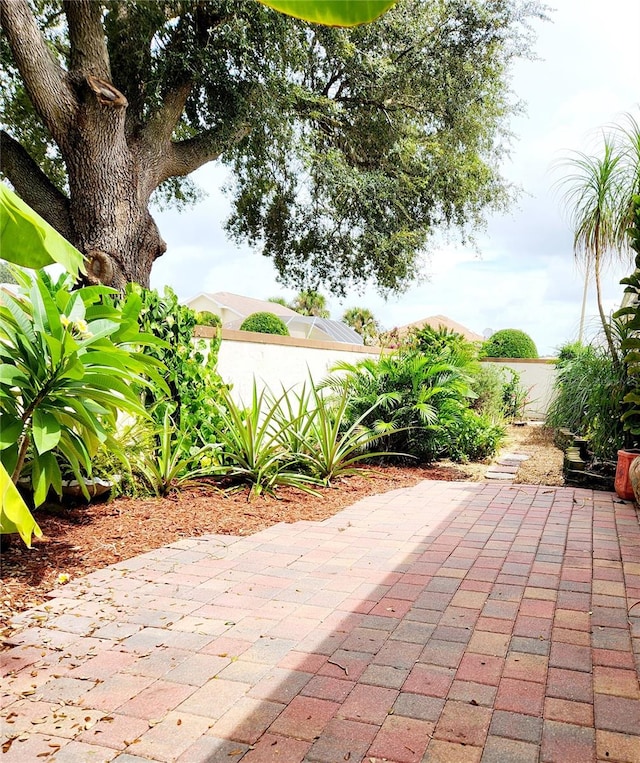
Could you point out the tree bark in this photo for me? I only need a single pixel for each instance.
(114, 159)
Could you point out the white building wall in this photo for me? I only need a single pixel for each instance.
(277, 361)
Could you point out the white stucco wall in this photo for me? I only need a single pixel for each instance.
(537, 376)
(287, 361)
(278, 361)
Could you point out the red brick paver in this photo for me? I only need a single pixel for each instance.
(444, 623)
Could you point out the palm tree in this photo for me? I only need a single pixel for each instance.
(363, 321)
(593, 195)
(310, 302)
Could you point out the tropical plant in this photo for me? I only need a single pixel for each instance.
(191, 377)
(71, 361)
(167, 464)
(332, 445)
(588, 397)
(592, 196)
(364, 322)
(252, 442)
(570, 351)
(349, 147)
(630, 345)
(310, 302)
(509, 343)
(265, 323)
(417, 397)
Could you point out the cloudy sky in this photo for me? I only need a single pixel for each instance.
(523, 274)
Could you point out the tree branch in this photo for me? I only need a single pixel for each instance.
(87, 39)
(33, 186)
(44, 79)
(185, 156)
(161, 125)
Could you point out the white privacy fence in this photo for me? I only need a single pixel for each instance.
(279, 361)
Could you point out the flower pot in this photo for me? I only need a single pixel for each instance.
(622, 483)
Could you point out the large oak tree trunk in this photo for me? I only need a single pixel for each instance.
(114, 161)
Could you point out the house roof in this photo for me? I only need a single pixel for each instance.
(315, 328)
(438, 321)
(244, 306)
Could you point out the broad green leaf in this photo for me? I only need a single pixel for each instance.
(46, 430)
(10, 431)
(332, 12)
(15, 517)
(29, 241)
(11, 376)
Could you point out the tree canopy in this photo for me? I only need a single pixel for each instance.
(349, 148)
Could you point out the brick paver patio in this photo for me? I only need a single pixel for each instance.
(448, 622)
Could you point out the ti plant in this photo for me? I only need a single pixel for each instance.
(71, 361)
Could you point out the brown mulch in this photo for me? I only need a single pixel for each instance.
(78, 540)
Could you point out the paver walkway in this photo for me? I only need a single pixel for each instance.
(450, 622)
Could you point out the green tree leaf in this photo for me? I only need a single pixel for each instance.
(46, 431)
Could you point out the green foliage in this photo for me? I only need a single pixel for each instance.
(253, 442)
(418, 399)
(631, 342)
(473, 437)
(570, 351)
(265, 323)
(206, 318)
(191, 376)
(310, 302)
(364, 322)
(443, 340)
(509, 343)
(588, 395)
(332, 12)
(71, 361)
(15, 516)
(165, 462)
(499, 393)
(327, 444)
(29, 241)
(349, 147)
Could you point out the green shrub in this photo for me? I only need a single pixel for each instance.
(206, 318)
(588, 400)
(570, 351)
(265, 323)
(488, 386)
(420, 399)
(191, 376)
(509, 343)
(473, 437)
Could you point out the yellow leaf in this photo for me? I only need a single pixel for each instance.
(332, 12)
(15, 516)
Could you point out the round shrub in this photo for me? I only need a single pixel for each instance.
(205, 318)
(509, 343)
(265, 323)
